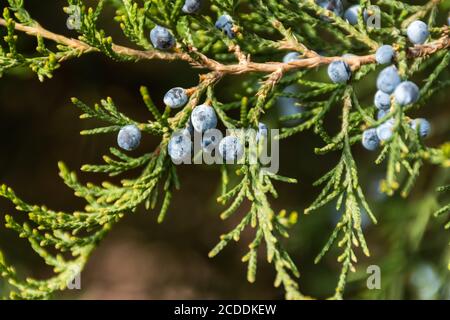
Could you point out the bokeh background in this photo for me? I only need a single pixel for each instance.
(143, 260)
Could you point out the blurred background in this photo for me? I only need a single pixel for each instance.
(143, 260)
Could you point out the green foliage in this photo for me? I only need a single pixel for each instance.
(342, 183)
(254, 186)
(265, 31)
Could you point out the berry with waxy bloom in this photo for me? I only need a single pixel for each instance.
(179, 147)
(406, 93)
(385, 130)
(129, 137)
(384, 54)
(161, 38)
(203, 117)
(370, 139)
(225, 24)
(418, 32)
(382, 100)
(191, 6)
(175, 98)
(388, 79)
(422, 125)
(351, 14)
(339, 71)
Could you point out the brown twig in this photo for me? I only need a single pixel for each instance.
(244, 66)
(432, 47)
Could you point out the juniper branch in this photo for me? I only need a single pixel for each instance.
(271, 28)
(269, 67)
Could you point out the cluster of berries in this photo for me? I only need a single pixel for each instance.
(337, 7)
(163, 39)
(225, 24)
(393, 91)
(203, 120)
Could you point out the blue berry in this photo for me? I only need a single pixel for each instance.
(335, 6)
(384, 54)
(406, 92)
(162, 38)
(191, 6)
(339, 71)
(381, 114)
(422, 125)
(291, 56)
(179, 147)
(382, 100)
(175, 98)
(418, 32)
(370, 139)
(225, 24)
(129, 137)
(203, 117)
(262, 131)
(211, 138)
(351, 14)
(223, 20)
(388, 79)
(385, 130)
(231, 149)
